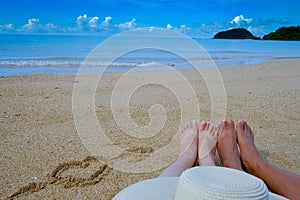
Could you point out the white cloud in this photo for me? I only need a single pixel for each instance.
(107, 25)
(82, 21)
(257, 31)
(128, 25)
(88, 24)
(33, 21)
(9, 26)
(32, 25)
(182, 28)
(49, 28)
(107, 21)
(6, 27)
(93, 22)
(240, 20)
(151, 28)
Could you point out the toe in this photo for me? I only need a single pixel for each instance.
(216, 133)
(202, 125)
(220, 129)
(207, 126)
(221, 125)
(229, 123)
(211, 128)
(248, 130)
(240, 125)
(194, 124)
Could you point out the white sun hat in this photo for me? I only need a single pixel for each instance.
(205, 182)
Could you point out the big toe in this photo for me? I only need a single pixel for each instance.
(229, 124)
(226, 125)
(202, 125)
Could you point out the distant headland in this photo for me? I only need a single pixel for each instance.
(283, 33)
(237, 33)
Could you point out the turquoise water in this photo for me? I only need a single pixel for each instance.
(63, 54)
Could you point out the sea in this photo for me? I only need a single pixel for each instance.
(22, 54)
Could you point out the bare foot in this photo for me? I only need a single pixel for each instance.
(188, 143)
(249, 154)
(207, 140)
(279, 181)
(227, 145)
(188, 140)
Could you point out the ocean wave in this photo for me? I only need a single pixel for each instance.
(74, 63)
(49, 62)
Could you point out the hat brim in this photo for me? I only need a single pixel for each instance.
(159, 189)
(151, 189)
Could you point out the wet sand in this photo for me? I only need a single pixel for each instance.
(43, 157)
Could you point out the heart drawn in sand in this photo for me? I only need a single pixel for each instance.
(60, 176)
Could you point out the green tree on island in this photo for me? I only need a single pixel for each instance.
(284, 33)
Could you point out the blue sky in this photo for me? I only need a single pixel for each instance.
(197, 18)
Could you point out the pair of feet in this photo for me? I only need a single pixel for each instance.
(200, 142)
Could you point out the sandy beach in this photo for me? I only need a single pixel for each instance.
(43, 157)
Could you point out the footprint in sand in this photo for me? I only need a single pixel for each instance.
(134, 154)
(69, 174)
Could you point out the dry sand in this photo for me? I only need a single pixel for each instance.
(42, 156)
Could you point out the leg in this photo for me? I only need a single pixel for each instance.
(279, 181)
(207, 140)
(227, 145)
(188, 144)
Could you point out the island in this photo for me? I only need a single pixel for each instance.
(236, 33)
(284, 33)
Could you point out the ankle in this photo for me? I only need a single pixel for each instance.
(258, 167)
(233, 165)
(207, 163)
(188, 157)
(208, 160)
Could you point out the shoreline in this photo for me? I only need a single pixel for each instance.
(44, 158)
(71, 70)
